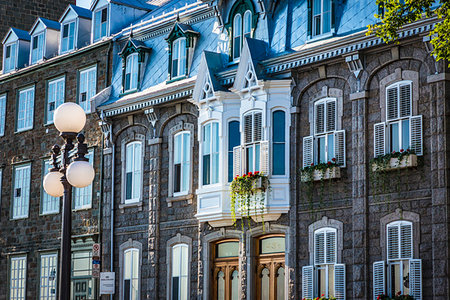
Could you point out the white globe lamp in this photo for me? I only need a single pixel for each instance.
(69, 117)
(52, 184)
(80, 174)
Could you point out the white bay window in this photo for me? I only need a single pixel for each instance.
(210, 153)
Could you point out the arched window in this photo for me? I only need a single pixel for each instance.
(131, 270)
(131, 72)
(278, 142)
(133, 172)
(181, 162)
(242, 27)
(180, 267)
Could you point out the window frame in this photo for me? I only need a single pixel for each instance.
(325, 265)
(132, 201)
(254, 145)
(326, 134)
(56, 101)
(186, 247)
(230, 149)
(87, 70)
(3, 103)
(321, 16)
(47, 162)
(40, 56)
(90, 188)
(74, 37)
(24, 279)
(242, 34)
(55, 280)
(94, 25)
(273, 142)
(26, 201)
(182, 192)
(132, 68)
(27, 108)
(227, 264)
(134, 251)
(181, 56)
(11, 57)
(213, 155)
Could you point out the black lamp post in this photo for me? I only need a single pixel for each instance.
(69, 119)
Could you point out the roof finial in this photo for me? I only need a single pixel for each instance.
(131, 31)
(178, 17)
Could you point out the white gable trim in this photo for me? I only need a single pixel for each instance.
(245, 65)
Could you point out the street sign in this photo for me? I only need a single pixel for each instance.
(107, 283)
(96, 250)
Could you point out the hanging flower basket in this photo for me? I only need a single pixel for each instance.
(248, 194)
(322, 171)
(395, 160)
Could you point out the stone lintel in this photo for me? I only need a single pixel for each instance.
(438, 77)
(359, 95)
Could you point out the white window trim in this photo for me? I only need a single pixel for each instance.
(3, 98)
(15, 56)
(55, 255)
(87, 70)
(326, 230)
(11, 259)
(108, 15)
(181, 192)
(130, 244)
(43, 193)
(219, 140)
(321, 34)
(44, 45)
(53, 81)
(75, 36)
(25, 90)
(181, 53)
(134, 73)
(397, 85)
(243, 33)
(253, 143)
(23, 216)
(177, 240)
(286, 142)
(91, 152)
(132, 202)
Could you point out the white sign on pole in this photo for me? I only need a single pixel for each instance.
(107, 283)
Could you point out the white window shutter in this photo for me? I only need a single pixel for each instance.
(308, 151)
(248, 128)
(339, 281)
(237, 162)
(379, 279)
(331, 115)
(319, 248)
(257, 127)
(393, 242)
(330, 247)
(339, 147)
(392, 103)
(416, 137)
(264, 157)
(319, 118)
(406, 243)
(405, 100)
(379, 136)
(415, 278)
(307, 282)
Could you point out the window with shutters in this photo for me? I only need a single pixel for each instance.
(181, 163)
(25, 109)
(55, 97)
(131, 274)
(87, 87)
(10, 57)
(180, 271)
(49, 204)
(133, 172)
(2, 114)
(68, 37)
(210, 153)
(21, 192)
(48, 276)
(326, 276)
(401, 273)
(321, 16)
(82, 197)
(234, 140)
(17, 277)
(402, 131)
(100, 23)
(328, 143)
(252, 141)
(225, 270)
(37, 47)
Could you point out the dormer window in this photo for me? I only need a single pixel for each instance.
(134, 55)
(179, 58)
(241, 24)
(68, 37)
(9, 63)
(131, 72)
(100, 23)
(37, 48)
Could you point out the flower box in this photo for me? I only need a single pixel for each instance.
(322, 174)
(395, 163)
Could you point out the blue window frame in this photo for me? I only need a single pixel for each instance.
(278, 142)
(234, 139)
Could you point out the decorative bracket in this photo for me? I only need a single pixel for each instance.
(354, 64)
(106, 130)
(152, 117)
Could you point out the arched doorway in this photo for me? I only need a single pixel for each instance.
(225, 270)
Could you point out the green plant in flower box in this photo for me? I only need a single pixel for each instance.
(248, 194)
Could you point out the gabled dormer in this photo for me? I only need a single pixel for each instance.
(207, 87)
(181, 40)
(16, 47)
(44, 40)
(249, 71)
(125, 13)
(75, 28)
(134, 58)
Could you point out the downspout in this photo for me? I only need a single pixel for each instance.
(158, 208)
(113, 154)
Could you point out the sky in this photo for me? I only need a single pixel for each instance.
(83, 3)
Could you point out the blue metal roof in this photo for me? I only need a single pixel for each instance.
(81, 12)
(51, 24)
(21, 34)
(141, 4)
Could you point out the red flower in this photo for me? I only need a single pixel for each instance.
(399, 293)
(250, 174)
(401, 150)
(378, 298)
(329, 163)
(312, 164)
(257, 172)
(334, 159)
(322, 295)
(393, 152)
